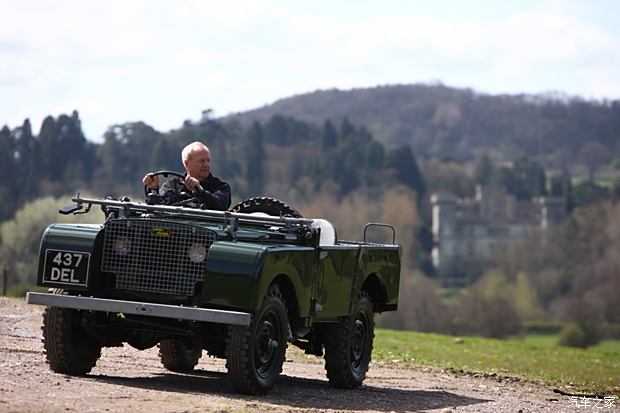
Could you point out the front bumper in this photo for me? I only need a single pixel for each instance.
(140, 308)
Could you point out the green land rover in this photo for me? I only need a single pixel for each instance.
(238, 284)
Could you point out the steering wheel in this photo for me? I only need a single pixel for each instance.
(151, 193)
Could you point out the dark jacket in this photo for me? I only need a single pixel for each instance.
(215, 193)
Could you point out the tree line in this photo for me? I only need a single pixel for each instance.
(59, 159)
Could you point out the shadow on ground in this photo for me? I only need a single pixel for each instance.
(299, 392)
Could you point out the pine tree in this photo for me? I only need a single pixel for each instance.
(406, 170)
(28, 160)
(329, 136)
(7, 168)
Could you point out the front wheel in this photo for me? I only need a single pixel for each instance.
(68, 348)
(255, 354)
(348, 346)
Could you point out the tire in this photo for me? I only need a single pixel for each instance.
(269, 206)
(68, 348)
(175, 355)
(255, 354)
(348, 346)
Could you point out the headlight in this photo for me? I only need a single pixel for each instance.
(197, 253)
(122, 246)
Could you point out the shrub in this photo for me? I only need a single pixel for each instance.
(574, 335)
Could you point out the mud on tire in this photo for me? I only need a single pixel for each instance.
(175, 355)
(348, 346)
(68, 348)
(254, 354)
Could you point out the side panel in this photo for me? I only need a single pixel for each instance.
(238, 274)
(384, 263)
(296, 264)
(335, 274)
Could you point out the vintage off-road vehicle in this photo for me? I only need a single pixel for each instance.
(239, 284)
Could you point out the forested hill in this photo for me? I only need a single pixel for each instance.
(444, 122)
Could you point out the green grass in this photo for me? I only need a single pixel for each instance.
(533, 358)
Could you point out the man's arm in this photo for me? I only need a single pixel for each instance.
(218, 199)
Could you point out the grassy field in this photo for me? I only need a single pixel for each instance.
(533, 358)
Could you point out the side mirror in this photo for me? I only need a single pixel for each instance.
(70, 209)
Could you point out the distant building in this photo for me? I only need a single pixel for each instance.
(467, 232)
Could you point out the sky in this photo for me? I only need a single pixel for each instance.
(163, 62)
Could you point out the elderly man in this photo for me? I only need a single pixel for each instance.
(210, 190)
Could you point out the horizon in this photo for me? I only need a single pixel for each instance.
(164, 63)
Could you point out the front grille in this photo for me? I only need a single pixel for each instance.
(153, 256)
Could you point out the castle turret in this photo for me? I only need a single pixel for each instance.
(444, 215)
(552, 211)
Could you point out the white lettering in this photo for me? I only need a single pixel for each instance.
(79, 259)
(58, 259)
(55, 275)
(73, 280)
(65, 275)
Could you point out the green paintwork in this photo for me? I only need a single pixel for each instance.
(326, 280)
(295, 264)
(231, 272)
(69, 237)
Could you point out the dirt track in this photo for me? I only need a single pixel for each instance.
(126, 379)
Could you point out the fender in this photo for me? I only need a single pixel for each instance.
(384, 266)
(232, 270)
(295, 263)
(68, 237)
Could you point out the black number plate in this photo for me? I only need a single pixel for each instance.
(66, 267)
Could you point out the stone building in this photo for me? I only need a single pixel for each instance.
(467, 232)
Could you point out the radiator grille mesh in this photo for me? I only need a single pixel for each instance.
(152, 256)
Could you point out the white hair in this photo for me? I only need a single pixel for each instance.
(187, 151)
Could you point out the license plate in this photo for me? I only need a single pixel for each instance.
(66, 267)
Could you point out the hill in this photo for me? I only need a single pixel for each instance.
(444, 122)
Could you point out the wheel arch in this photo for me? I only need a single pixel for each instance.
(287, 289)
(374, 286)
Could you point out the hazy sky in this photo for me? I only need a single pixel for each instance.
(165, 61)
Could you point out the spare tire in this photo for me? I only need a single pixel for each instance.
(266, 205)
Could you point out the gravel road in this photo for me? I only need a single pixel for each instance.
(128, 380)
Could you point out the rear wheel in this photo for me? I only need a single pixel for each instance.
(348, 346)
(255, 354)
(68, 348)
(179, 356)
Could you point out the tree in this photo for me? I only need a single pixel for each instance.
(28, 159)
(8, 168)
(122, 152)
(484, 169)
(48, 137)
(329, 136)
(593, 155)
(406, 170)
(276, 130)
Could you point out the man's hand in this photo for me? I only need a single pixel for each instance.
(151, 181)
(192, 183)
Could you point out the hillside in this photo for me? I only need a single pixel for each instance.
(444, 122)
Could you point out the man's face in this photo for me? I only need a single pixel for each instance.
(198, 164)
